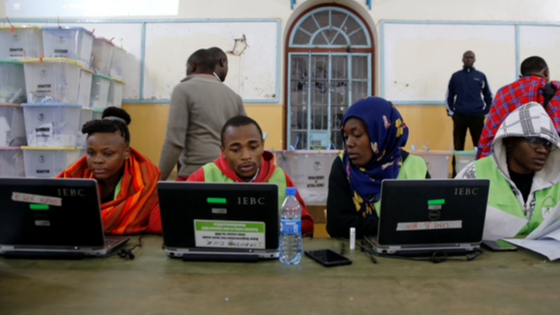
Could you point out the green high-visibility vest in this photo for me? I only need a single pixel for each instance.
(413, 167)
(501, 196)
(213, 174)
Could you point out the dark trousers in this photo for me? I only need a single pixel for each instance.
(460, 125)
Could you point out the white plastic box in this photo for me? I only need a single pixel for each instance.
(84, 93)
(118, 63)
(11, 162)
(68, 42)
(100, 90)
(309, 170)
(12, 125)
(102, 53)
(52, 80)
(52, 125)
(86, 114)
(97, 114)
(116, 93)
(25, 41)
(463, 158)
(437, 162)
(48, 162)
(12, 82)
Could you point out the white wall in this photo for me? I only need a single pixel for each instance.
(440, 10)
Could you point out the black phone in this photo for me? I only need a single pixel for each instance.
(327, 257)
(499, 245)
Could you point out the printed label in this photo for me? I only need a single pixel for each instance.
(46, 200)
(434, 225)
(229, 234)
(290, 226)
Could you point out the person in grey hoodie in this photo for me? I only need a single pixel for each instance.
(524, 167)
(200, 106)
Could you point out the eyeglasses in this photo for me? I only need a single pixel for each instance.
(536, 143)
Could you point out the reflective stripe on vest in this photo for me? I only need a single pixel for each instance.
(213, 174)
(501, 195)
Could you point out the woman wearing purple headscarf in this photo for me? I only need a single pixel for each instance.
(374, 134)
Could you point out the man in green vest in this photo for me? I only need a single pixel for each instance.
(524, 168)
(243, 159)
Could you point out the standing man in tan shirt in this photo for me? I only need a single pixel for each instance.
(200, 105)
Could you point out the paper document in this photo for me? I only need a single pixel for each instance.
(499, 224)
(547, 224)
(549, 248)
(545, 239)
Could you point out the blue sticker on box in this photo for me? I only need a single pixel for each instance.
(290, 226)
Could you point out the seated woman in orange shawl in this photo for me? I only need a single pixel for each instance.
(127, 180)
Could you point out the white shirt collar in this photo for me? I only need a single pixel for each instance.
(255, 177)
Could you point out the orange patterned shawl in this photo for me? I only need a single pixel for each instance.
(130, 211)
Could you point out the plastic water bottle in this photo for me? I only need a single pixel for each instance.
(291, 248)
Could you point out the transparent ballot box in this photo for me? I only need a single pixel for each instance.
(309, 170)
(26, 41)
(69, 42)
(52, 125)
(48, 162)
(52, 80)
(12, 82)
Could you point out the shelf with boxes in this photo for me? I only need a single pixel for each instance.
(52, 81)
(12, 137)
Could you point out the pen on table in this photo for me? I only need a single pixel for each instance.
(373, 260)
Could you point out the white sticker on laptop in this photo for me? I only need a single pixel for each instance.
(430, 225)
(38, 199)
(229, 234)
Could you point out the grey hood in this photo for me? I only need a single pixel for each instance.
(529, 120)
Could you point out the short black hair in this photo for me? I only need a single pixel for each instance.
(533, 65)
(204, 59)
(239, 121)
(217, 54)
(113, 119)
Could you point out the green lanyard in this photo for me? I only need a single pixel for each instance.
(117, 188)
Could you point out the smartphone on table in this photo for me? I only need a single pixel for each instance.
(499, 245)
(327, 257)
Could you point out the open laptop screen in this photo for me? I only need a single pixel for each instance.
(205, 214)
(432, 211)
(50, 212)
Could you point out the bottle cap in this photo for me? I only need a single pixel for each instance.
(291, 191)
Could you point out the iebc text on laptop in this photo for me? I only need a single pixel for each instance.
(421, 217)
(52, 218)
(219, 221)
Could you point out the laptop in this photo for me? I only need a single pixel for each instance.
(52, 218)
(219, 221)
(420, 217)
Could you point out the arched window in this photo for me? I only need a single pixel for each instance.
(329, 68)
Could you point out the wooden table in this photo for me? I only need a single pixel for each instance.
(495, 283)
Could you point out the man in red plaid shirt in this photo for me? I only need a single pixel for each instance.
(529, 88)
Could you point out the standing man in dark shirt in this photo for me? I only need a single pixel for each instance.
(465, 103)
